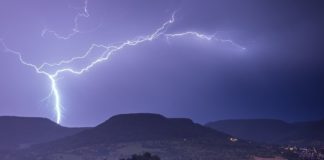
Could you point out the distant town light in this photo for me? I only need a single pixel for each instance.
(233, 139)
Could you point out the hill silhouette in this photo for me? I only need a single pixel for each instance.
(273, 131)
(145, 126)
(21, 132)
(124, 135)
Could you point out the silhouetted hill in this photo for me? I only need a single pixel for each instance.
(259, 130)
(133, 127)
(142, 127)
(20, 132)
(127, 134)
(311, 132)
(273, 131)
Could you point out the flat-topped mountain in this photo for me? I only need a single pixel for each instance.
(140, 127)
(145, 126)
(20, 132)
(127, 134)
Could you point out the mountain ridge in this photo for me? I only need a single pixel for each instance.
(20, 132)
(273, 131)
(126, 134)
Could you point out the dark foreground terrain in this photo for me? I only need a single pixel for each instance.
(124, 135)
(22, 132)
(301, 134)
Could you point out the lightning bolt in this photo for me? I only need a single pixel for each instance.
(205, 37)
(54, 89)
(61, 66)
(75, 29)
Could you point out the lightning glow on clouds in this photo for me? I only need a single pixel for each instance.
(61, 67)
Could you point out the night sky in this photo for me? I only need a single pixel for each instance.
(279, 75)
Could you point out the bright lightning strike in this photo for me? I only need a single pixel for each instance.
(54, 90)
(108, 51)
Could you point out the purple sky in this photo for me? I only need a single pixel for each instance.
(279, 75)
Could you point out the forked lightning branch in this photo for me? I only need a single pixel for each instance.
(46, 68)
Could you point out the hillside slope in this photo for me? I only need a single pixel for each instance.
(273, 131)
(127, 134)
(21, 132)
